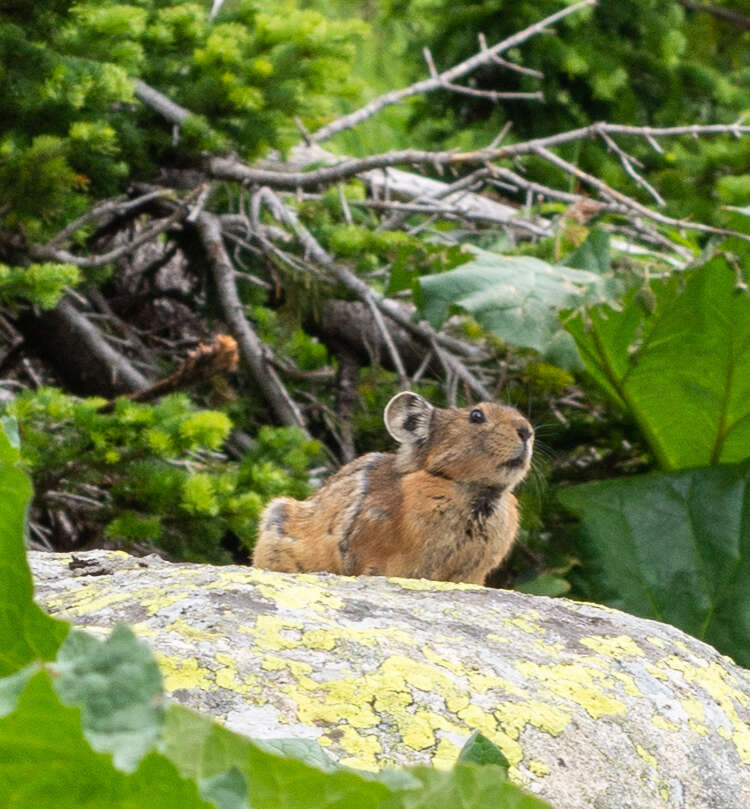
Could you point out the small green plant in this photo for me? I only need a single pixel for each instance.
(154, 474)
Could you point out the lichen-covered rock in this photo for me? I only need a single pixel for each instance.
(592, 707)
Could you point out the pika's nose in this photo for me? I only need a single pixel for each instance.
(524, 432)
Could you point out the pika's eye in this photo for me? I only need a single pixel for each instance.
(476, 416)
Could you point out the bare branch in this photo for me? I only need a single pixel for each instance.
(438, 81)
(251, 346)
(720, 13)
(392, 350)
(160, 103)
(102, 212)
(627, 202)
(421, 330)
(50, 253)
(223, 168)
(93, 341)
(627, 163)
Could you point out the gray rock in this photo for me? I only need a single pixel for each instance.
(592, 707)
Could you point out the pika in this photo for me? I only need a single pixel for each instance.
(439, 508)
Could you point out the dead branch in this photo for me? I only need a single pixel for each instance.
(628, 203)
(90, 341)
(422, 331)
(740, 20)
(232, 168)
(440, 80)
(50, 253)
(102, 213)
(159, 102)
(201, 363)
(251, 346)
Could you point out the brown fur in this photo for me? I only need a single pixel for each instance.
(440, 508)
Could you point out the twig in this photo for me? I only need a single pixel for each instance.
(251, 346)
(117, 206)
(496, 60)
(629, 203)
(91, 339)
(627, 163)
(391, 346)
(160, 103)
(422, 331)
(438, 81)
(224, 168)
(720, 13)
(49, 253)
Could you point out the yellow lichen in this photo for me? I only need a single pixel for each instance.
(445, 755)
(159, 600)
(363, 749)
(514, 716)
(719, 686)
(649, 758)
(538, 767)
(654, 641)
(628, 683)
(524, 624)
(616, 646)
(424, 584)
(190, 632)
(226, 676)
(183, 672)
(550, 649)
(576, 683)
(657, 720)
(296, 667)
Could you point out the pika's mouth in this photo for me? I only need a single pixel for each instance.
(518, 461)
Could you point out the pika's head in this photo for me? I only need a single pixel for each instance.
(485, 444)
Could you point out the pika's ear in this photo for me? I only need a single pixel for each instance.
(407, 417)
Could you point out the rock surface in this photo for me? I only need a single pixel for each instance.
(592, 707)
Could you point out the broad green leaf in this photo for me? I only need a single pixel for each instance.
(26, 632)
(118, 685)
(593, 255)
(545, 584)
(480, 750)
(10, 443)
(227, 791)
(466, 786)
(305, 750)
(518, 298)
(46, 763)
(680, 364)
(672, 546)
(203, 749)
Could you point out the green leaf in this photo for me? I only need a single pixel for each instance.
(227, 791)
(10, 442)
(518, 298)
(305, 750)
(593, 255)
(466, 786)
(478, 749)
(118, 684)
(46, 763)
(683, 371)
(26, 632)
(203, 749)
(545, 584)
(672, 546)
